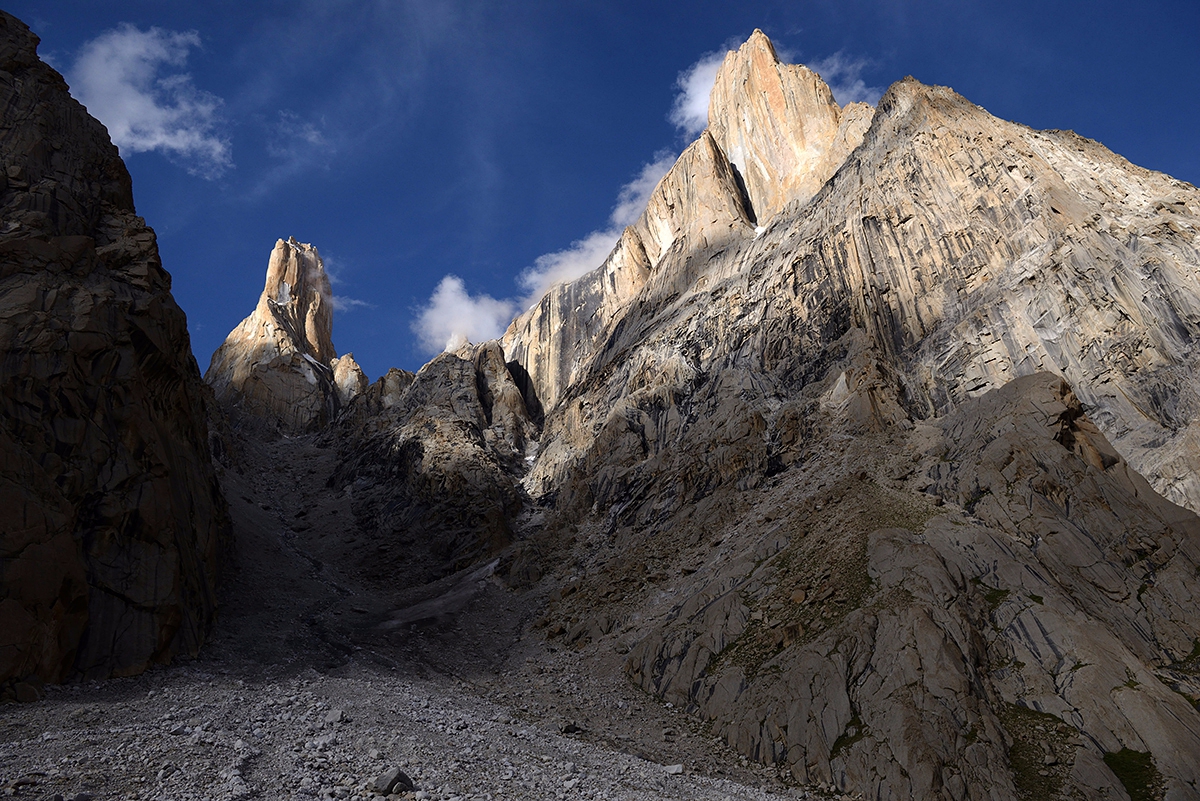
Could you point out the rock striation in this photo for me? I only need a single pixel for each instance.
(780, 127)
(748, 434)
(112, 524)
(279, 365)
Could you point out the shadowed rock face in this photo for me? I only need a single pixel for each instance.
(279, 365)
(432, 463)
(111, 520)
(871, 639)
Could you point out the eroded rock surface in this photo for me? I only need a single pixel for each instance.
(432, 463)
(736, 456)
(279, 365)
(111, 520)
(886, 644)
(779, 125)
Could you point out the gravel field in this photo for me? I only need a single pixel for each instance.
(317, 685)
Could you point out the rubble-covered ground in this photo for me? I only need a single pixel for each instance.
(316, 685)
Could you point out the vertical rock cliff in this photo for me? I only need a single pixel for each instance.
(878, 468)
(279, 365)
(111, 520)
(780, 126)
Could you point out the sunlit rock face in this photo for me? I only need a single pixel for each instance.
(279, 365)
(780, 127)
(971, 251)
(775, 136)
(111, 519)
(911, 373)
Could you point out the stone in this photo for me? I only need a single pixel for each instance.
(984, 334)
(391, 781)
(673, 770)
(112, 525)
(779, 126)
(435, 469)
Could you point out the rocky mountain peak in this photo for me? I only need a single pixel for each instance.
(279, 364)
(780, 125)
(297, 294)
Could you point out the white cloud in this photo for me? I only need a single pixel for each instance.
(454, 317)
(690, 110)
(123, 77)
(588, 253)
(844, 76)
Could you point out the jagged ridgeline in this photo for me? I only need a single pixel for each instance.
(896, 405)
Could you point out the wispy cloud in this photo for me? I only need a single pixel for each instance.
(454, 316)
(343, 303)
(292, 137)
(689, 112)
(131, 81)
(844, 75)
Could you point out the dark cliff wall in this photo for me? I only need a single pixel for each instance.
(111, 518)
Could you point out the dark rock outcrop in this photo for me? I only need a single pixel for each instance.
(111, 519)
(433, 462)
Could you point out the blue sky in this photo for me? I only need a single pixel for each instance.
(505, 143)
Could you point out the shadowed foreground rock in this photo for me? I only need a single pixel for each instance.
(111, 520)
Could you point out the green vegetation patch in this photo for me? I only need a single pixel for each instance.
(1191, 662)
(854, 732)
(1041, 755)
(1137, 773)
(994, 596)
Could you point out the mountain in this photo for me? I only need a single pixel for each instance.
(279, 364)
(854, 425)
(112, 524)
(871, 447)
(872, 444)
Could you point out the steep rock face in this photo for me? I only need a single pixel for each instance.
(697, 208)
(111, 520)
(970, 251)
(780, 126)
(431, 462)
(870, 639)
(279, 365)
(980, 250)
(756, 404)
(775, 136)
